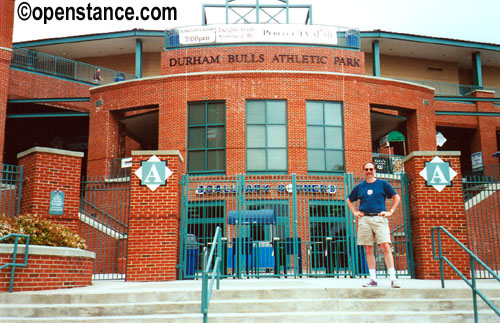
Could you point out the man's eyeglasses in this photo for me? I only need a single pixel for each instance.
(368, 169)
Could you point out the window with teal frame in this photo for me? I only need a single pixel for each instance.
(206, 137)
(325, 136)
(266, 136)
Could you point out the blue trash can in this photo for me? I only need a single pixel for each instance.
(352, 38)
(191, 256)
(174, 38)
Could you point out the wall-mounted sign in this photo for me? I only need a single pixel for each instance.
(438, 173)
(255, 33)
(126, 162)
(266, 188)
(56, 205)
(384, 141)
(477, 160)
(381, 164)
(153, 173)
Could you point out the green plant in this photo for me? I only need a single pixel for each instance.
(41, 232)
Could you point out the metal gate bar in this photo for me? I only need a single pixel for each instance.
(104, 209)
(281, 226)
(482, 208)
(11, 182)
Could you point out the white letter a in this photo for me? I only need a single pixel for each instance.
(153, 173)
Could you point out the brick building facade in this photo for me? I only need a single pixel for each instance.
(252, 109)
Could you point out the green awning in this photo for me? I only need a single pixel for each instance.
(395, 136)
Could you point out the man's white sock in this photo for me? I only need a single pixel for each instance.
(373, 274)
(392, 273)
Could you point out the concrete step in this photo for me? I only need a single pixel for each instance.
(240, 306)
(270, 293)
(324, 316)
(252, 301)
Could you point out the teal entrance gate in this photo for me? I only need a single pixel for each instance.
(104, 210)
(286, 225)
(11, 182)
(482, 210)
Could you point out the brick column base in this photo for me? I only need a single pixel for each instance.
(430, 208)
(47, 170)
(154, 222)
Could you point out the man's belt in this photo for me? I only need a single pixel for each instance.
(371, 214)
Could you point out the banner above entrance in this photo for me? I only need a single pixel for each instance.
(257, 33)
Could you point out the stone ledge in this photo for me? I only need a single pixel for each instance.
(49, 151)
(46, 251)
(158, 153)
(430, 153)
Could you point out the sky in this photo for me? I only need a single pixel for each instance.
(456, 19)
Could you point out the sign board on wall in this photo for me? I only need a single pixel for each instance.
(255, 33)
(438, 173)
(381, 165)
(56, 205)
(153, 173)
(384, 141)
(477, 160)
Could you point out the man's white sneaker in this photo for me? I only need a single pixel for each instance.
(395, 284)
(371, 283)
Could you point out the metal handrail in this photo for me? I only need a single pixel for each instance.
(442, 88)
(15, 264)
(64, 67)
(472, 258)
(206, 292)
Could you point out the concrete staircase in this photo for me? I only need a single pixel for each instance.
(286, 300)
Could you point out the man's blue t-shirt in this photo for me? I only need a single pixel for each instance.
(372, 196)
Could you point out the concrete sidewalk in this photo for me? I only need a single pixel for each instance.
(110, 286)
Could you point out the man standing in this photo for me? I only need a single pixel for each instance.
(373, 225)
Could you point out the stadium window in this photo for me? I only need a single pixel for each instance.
(325, 136)
(266, 135)
(206, 137)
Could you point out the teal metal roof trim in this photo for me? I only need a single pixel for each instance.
(47, 115)
(464, 99)
(47, 100)
(76, 39)
(464, 113)
(427, 39)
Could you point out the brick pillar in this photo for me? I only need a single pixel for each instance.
(421, 127)
(6, 30)
(105, 140)
(485, 137)
(430, 208)
(47, 170)
(6, 22)
(154, 222)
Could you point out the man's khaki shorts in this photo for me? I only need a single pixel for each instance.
(373, 229)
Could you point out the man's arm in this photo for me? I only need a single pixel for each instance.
(395, 202)
(351, 207)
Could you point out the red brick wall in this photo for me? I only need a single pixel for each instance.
(5, 56)
(46, 272)
(484, 138)
(6, 22)
(27, 85)
(173, 93)
(430, 208)
(250, 57)
(46, 171)
(6, 30)
(154, 221)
